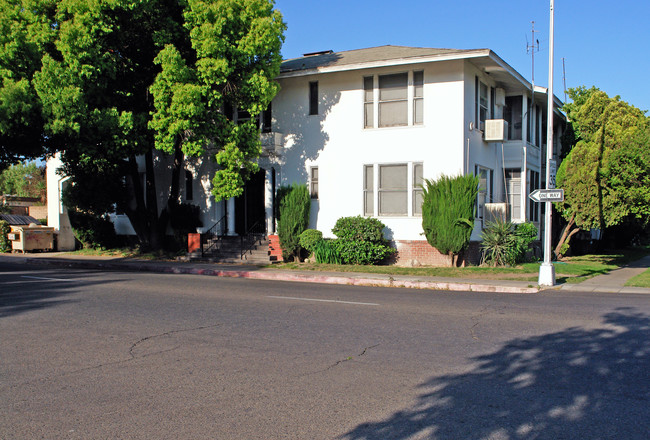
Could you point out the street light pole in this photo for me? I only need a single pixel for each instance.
(546, 269)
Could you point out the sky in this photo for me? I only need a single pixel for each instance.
(603, 43)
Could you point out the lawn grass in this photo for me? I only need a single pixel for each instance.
(569, 270)
(641, 280)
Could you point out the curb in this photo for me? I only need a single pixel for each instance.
(291, 277)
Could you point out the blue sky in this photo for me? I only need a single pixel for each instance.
(603, 42)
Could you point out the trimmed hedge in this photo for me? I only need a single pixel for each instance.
(360, 240)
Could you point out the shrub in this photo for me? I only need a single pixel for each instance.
(498, 243)
(325, 252)
(505, 243)
(5, 244)
(448, 212)
(293, 218)
(526, 234)
(360, 240)
(309, 238)
(93, 232)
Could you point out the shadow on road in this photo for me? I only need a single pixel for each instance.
(25, 290)
(575, 384)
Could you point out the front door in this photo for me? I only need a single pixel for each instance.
(249, 207)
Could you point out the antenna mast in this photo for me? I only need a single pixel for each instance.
(532, 48)
(564, 79)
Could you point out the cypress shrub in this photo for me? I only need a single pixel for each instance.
(5, 244)
(448, 212)
(293, 218)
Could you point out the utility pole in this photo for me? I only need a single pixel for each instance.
(546, 269)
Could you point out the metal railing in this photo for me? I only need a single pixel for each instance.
(255, 234)
(213, 234)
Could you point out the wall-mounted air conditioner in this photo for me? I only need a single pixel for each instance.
(495, 130)
(272, 143)
(494, 212)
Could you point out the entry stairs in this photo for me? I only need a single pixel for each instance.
(250, 249)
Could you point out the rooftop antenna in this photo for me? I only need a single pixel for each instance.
(532, 48)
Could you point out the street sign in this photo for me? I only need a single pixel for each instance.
(552, 166)
(547, 195)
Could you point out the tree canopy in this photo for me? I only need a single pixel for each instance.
(606, 175)
(106, 82)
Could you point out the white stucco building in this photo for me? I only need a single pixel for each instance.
(362, 128)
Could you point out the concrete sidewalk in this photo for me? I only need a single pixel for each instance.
(614, 283)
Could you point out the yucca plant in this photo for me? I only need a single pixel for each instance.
(499, 244)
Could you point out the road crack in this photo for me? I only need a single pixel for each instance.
(337, 363)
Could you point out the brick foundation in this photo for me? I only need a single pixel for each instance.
(275, 251)
(421, 253)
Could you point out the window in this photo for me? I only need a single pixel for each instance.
(393, 187)
(267, 119)
(483, 104)
(189, 190)
(398, 191)
(418, 98)
(368, 102)
(417, 188)
(368, 190)
(313, 182)
(533, 184)
(313, 98)
(393, 100)
(513, 192)
(392, 105)
(512, 115)
(484, 189)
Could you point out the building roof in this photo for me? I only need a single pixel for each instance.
(380, 54)
(18, 220)
(328, 61)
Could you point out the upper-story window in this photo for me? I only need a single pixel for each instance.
(481, 102)
(393, 100)
(313, 98)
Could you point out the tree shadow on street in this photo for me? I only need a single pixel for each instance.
(28, 290)
(578, 383)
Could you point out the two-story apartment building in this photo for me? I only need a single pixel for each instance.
(362, 128)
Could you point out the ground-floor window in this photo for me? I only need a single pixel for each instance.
(533, 184)
(513, 193)
(392, 189)
(485, 176)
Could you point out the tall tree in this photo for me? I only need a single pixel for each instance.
(606, 174)
(116, 78)
(24, 180)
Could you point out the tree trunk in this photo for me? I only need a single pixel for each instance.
(567, 233)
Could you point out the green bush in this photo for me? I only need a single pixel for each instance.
(506, 244)
(526, 234)
(93, 232)
(360, 240)
(293, 218)
(5, 244)
(448, 212)
(309, 238)
(326, 252)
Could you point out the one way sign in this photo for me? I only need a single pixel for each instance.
(547, 195)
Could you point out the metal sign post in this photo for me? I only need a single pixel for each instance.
(546, 269)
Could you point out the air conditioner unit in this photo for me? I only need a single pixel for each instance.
(495, 130)
(494, 212)
(272, 142)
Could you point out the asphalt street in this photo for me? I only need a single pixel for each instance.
(103, 355)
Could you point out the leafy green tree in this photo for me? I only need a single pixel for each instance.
(24, 180)
(293, 220)
(605, 176)
(448, 213)
(107, 82)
